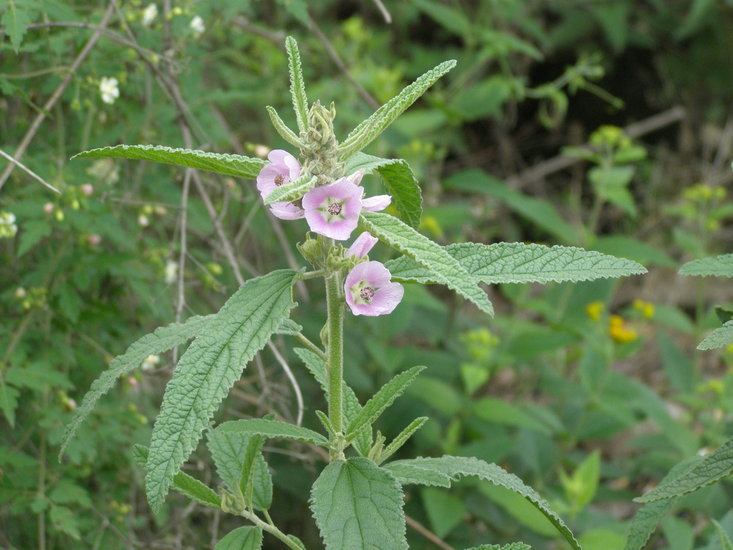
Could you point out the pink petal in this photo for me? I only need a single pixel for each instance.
(356, 177)
(341, 190)
(266, 179)
(286, 211)
(362, 245)
(386, 296)
(376, 203)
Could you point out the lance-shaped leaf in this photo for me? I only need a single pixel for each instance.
(273, 428)
(381, 400)
(456, 467)
(402, 437)
(411, 474)
(368, 130)
(209, 368)
(297, 84)
(183, 483)
(443, 267)
(358, 505)
(522, 263)
(717, 266)
(719, 338)
(713, 467)
(242, 538)
(242, 467)
(163, 339)
(231, 165)
(293, 190)
(352, 407)
(398, 179)
(286, 133)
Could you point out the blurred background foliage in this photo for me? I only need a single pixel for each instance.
(599, 123)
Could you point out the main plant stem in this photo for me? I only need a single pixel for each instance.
(335, 358)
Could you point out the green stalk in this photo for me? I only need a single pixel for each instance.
(335, 356)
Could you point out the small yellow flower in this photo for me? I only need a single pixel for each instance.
(645, 308)
(620, 331)
(594, 310)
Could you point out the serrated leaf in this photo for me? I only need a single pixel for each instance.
(444, 268)
(456, 467)
(31, 234)
(358, 505)
(716, 266)
(289, 328)
(15, 19)
(402, 437)
(286, 133)
(645, 523)
(510, 546)
(352, 407)
(183, 483)
(293, 190)
(240, 467)
(398, 179)
(231, 165)
(297, 84)
(381, 400)
(725, 541)
(368, 130)
(209, 368)
(162, 339)
(273, 429)
(713, 467)
(719, 338)
(410, 474)
(242, 538)
(8, 401)
(522, 263)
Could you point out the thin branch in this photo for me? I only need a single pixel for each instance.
(293, 381)
(385, 13)
(427, 533)
(35, 125)
(29, 171)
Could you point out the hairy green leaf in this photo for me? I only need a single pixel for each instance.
(410, 474)
(398, 179)
(719, 338)
(443, 267)
(725, 541)
(368, 130)
(716, 266)
(358, 505)
(293, 190)
(273, 428)
(402, 437)
(163, 339)
(289, 328)
(231, 165)
(297, 84)
(456, 467)
(209, 368)
(510, 546)
(242, 538)
(183, 483)
(645, 523)
(713, 467)
(522, 263)
(381, 400)
(352, 407)
(286, 133)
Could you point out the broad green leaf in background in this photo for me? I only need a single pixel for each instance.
(499, 411)
(352, 407)
(522, 263)
(381, 400)
(358, 505)
(17, 15)
(633, 249)
(713, 467)
(297, 84)
(368, 130)
(717, 266)
(183, 483)
(719, 338)
(231, 165)
(210, 366)
(611, 183)
(457, 467)
(273, 429)
(242, 538)
(293, 190)
(443, 267)
(445, 511)
(581, 486)
(398, 179)
(678, 368)
(725, 541)
(162, 339)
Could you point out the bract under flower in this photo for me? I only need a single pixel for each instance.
(333, 210)
(370, 292)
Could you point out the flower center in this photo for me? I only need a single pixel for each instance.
(367, 293)
(279, 180)
(335, 208)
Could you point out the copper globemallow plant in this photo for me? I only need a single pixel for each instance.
(357, 500)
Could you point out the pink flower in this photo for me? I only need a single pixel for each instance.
(369, 291)
(282, 169)
(362, 245)
(87, 189)
(376, 203)
(333, 210)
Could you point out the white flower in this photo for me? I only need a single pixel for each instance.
(171, 272)
(149, 15)
(197, 25)
(8, 228)
(150, 362)
(143, 220)
(109, 90)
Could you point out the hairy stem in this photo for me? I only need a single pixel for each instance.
(335, 354)
(270, 528)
